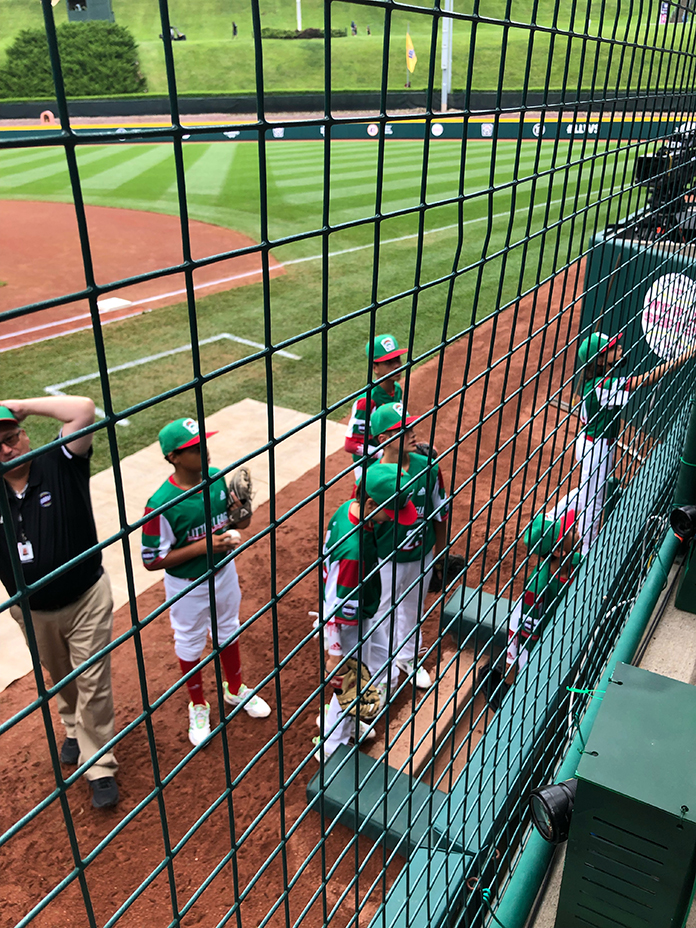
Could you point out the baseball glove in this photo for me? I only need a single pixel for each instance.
(455, 566)
(369, 702)
(239, 495)
(426, 450)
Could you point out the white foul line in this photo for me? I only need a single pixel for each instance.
(225, 280)
(56, 389)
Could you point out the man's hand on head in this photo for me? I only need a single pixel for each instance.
(17, 408)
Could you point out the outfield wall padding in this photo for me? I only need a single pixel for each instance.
(478, 102)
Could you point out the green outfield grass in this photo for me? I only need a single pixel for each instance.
(211, 61)
(223, 188)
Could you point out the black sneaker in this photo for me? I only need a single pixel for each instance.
(104, 792)
(493, 687)
(70, 752)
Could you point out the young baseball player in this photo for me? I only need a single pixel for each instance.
(604, 395)
(351, 586)
(553, 537)
(176, 541)
(403, 562)
(385, 368)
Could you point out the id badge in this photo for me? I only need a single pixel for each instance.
(26, 552)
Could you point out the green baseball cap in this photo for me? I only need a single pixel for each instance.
(380, 485)
(545, 534)
(6, 415)
(384, 348)
(181, 433)
(389, 416)
(595, 344)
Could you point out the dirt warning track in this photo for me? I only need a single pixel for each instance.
(41, 259)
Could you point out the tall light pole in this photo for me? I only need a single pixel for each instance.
(298, 4)
(446, 55)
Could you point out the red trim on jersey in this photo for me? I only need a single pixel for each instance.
(152, 527)
(353, 445)
(348, 573)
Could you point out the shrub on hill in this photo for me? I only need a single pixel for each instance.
(269, 33)
(97, 58)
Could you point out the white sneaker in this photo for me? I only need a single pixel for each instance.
(423, 679)
(317, 754)
(366, 732)
(199, 723)
(253, 705)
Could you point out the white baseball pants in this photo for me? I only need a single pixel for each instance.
(405, 615)
(190, 616)
(596, 459)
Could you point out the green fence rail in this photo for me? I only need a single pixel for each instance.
(491, 246)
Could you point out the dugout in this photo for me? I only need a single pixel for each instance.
(647, 292)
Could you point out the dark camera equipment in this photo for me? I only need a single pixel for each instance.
(668, 175)
(552, 807)
(683, 522)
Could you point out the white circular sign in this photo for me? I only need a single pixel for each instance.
(669, 315)
(373, 129)
(538, 129)
(437, 129)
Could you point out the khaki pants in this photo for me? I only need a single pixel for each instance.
(66, 638)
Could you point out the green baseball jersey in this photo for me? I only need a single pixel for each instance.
(183, 524)
(358, 437)
(542, 597)
(428, 496)
(602, 401)
(344, 597)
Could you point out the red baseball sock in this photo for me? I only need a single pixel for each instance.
(232, 665)
(195, 683)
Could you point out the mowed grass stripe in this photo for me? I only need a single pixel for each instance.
(403, 155)
(207, 170)
(14, 158)
(121, 174)
(348, 191)
(130, 180)
(57, 172)
(307, 176)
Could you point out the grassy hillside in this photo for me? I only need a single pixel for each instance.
(210, 60)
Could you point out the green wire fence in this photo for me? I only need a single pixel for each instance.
(492, 238)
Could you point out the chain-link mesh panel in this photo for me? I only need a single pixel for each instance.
(506, 272)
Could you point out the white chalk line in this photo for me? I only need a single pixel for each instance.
(225, 280)
(126, 309)
(56, 389)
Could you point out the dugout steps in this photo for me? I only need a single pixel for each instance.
(477, 619)
(381, 801)
(382, 812)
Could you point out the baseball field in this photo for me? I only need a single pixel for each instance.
(511, 231)
(511, 236)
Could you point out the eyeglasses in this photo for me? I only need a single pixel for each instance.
(11, 440)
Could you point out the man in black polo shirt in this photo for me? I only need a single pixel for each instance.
(72, 615)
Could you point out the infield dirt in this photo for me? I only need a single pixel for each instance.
(42, 260)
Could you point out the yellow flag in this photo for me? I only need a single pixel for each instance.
(411, 59)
